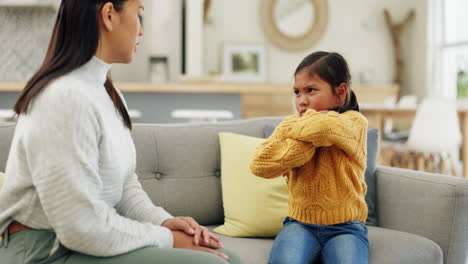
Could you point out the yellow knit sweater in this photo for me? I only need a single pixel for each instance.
(324, 156)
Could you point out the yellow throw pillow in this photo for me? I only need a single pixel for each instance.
(2, 179)
(253, 206)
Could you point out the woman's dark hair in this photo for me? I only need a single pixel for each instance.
(74, 42)
(333, 69)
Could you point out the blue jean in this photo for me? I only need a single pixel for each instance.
(307, 243)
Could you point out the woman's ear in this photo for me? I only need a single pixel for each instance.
(342, 91)
(107, 16)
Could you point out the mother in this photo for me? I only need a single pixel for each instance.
(71, 194)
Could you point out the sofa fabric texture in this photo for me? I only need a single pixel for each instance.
(423, 217)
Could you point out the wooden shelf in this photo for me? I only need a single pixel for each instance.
(214, 88)
(11, 87)
(256, 99)
(365, 93)
(217, 88)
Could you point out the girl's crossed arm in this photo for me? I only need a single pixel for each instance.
(346, 131)
(278, 154)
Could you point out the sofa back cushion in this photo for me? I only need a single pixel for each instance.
(2, 179)
(178, 164)
(6, 135)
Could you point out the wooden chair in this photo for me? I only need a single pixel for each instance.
(431, 162)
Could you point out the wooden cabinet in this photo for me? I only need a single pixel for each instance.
(273, 104)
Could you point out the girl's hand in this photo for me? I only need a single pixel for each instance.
(190, 227)
(182, 240)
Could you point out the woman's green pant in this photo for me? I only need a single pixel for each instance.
(34, 246)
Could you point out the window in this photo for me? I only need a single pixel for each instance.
(448, 22)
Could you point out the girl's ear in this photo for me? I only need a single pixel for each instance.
(342, 91)
(107, 16)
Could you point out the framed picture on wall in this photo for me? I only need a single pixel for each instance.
(244, 63)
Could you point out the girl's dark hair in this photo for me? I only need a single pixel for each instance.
(74, 42)
(333, 69)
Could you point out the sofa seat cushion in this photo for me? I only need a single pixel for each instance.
(386, 247)
(390, 246)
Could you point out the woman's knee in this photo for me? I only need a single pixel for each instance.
(233, 257)
(174, 255)
(151, 255)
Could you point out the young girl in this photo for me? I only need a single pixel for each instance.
(71, 194)
(322, 152)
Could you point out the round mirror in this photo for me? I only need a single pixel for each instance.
(294, 24)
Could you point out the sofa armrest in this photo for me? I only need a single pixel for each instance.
(434, 206)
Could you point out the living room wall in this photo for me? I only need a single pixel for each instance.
(356, 29)
(361, 35)
(24, 36)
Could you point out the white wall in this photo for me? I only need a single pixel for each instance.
(356, 29)
(162, 26)
(194, 36)
(415, 43)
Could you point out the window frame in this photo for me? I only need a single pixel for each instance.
(439, 48)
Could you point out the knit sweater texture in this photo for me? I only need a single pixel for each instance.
(71, 170)
(323, 156)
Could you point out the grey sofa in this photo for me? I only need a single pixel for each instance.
(423, 217)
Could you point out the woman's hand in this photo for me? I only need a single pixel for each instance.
(192, 228)
(182, 240)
